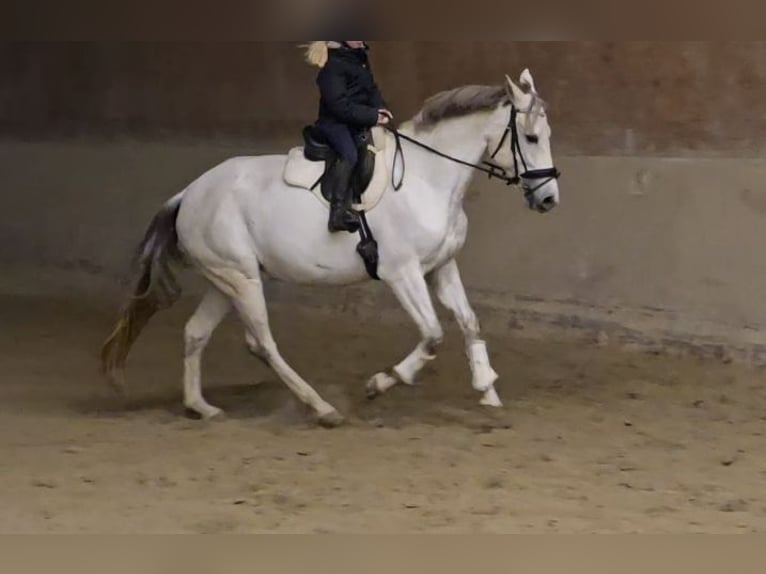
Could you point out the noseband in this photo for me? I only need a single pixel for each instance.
(543, 176)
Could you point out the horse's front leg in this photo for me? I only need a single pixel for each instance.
(411, 290)
(450, 291)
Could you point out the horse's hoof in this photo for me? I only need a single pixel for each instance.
(484, 381)
(379, 384)
(331, 420)
(116, 380)
(208, 413)
(371, 390)
(490, 399)
(214, 414)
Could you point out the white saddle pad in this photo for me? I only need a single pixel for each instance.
(302, 173)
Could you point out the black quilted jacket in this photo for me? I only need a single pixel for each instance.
(349, 94)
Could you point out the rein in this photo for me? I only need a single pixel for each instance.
(491, 169)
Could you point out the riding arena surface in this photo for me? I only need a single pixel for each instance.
(591, 438)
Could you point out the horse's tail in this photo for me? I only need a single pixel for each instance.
(155, 288)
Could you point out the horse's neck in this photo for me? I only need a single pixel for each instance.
(461, 138)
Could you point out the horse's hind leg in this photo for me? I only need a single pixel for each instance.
(255, 348)
(247, 296)
(209, 314)
(412, 292)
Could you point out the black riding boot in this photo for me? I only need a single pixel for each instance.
(342, 216)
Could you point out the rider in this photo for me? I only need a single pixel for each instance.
(350, 104)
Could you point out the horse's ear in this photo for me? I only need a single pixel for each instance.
(527, 81)
(516, 94)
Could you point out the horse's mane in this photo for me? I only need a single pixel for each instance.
(457, 103)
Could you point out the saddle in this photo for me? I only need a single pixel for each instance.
(306, 166)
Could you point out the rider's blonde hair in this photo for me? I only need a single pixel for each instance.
(317, 52)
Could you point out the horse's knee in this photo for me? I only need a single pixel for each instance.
(195, 338)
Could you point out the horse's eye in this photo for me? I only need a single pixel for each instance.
(532, 139)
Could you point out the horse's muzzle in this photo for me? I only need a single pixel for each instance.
(542, 204)
(547, 204)
(539, 196)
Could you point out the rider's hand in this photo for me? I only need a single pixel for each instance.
(383, 119)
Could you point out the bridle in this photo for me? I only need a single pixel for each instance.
(528, 175)
(493, 170)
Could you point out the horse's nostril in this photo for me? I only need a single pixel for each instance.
(548, 203)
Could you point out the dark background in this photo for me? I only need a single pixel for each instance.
(605, 98)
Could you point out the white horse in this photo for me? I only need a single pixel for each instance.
(240, 220)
